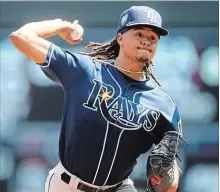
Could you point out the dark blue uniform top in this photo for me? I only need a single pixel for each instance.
(108, 120)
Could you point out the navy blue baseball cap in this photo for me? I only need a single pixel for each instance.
(141, 16)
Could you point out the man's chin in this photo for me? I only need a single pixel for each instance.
(142, 59)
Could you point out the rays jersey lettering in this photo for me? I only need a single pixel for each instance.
(120, 111)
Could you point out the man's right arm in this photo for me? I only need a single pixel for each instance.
(31, 38)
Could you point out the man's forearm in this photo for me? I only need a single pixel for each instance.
(43, 29)
(31, 38)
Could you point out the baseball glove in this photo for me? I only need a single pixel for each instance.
(162, 170)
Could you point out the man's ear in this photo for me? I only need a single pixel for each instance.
(119, 39)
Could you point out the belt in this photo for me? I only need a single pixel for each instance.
(83, 187)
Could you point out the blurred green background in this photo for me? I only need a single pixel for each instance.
(186, 65)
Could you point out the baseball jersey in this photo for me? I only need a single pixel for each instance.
(108, 119)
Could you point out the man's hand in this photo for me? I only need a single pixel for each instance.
(65, 32)
(162, 169)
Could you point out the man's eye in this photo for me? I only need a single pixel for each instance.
(153, 38)
(138, 34)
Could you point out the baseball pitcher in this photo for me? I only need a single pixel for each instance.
(114, 107)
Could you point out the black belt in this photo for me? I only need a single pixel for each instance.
(83, 187)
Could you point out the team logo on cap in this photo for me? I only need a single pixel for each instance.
(151, 16)
(124, 19)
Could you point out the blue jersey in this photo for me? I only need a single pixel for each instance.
(108, 119)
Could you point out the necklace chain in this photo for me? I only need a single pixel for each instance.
(137, 72)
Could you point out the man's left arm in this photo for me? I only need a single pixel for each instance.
(162, 170)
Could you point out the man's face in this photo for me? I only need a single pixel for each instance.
(139, 44)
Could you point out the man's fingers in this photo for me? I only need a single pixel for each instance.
(155, 179)
(71, 25)
(66, 35)
(75, 23)
(76, 41)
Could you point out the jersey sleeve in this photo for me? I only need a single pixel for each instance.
(174, 123)
(62, 66)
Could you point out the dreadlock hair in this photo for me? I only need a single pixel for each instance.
(110, 50)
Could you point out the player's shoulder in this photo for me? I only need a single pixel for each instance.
(76, 55)
(167, 105)
(79, 56)
(166, 97)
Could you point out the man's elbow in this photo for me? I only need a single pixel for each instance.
(16, 37)
(23, 31)
(21, 43)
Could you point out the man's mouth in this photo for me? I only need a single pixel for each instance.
(144, 49)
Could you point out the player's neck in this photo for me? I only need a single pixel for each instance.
(129, 67)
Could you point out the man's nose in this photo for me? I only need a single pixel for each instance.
(145, 42)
